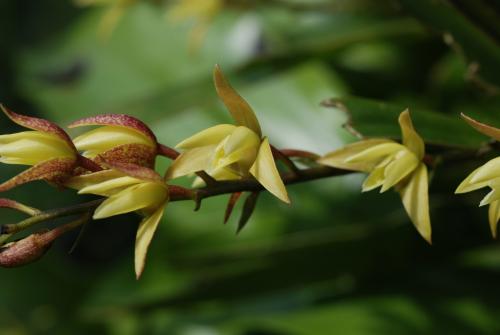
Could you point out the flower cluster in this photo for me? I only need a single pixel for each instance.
(116, 161)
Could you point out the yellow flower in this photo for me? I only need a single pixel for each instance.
(487, 175)
(128, 188)
(392, 164)
(120, 138)
(46, 147)
(230, 152)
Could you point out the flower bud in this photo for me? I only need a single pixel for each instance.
(26, 250)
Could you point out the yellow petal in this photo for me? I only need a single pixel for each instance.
(210, 136)
(240, 110)
(411, 139)
(32, 147)
(144, 196)
(338, 157)
(483, 128)
(375, 153)
(494, 216)
(143, 239)
(403, 164)
(191, 161)
(468, 186)
(241, 146)
(414, 195)
(110, 187)
(374, 180)
(265, 171)
(494, 195)
(105, 138)
(85, 180)
(488, 171)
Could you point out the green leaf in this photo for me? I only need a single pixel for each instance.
(461, 33)
(378, 119)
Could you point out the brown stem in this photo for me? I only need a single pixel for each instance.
(168, 152)
(285, 159)
(300, 154)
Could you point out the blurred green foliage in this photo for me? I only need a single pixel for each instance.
(337, 261)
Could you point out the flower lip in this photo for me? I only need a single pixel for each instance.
(38, 124)
(118, 120)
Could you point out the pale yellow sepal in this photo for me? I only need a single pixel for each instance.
(210, 136)
(339, 157)
(32, 147)
(468, 186)
(376, 153)
(411, 139)
(403, 163)
(110, 187)
(191, 161)
(483, 128)
(265, 171)
(106, 138)
(145, 233)
(240, 109)
(414, 195)
(494, 217)
(143, 196)
(84, 180)
(488, 171)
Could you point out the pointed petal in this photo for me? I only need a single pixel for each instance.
(411, 139)
(32, 147)
(494, 216)
(145, 234)
(492, 196)
(145, 196)
(138, 154)
(376, 153)
(110, 187)
(108, 137)
(415, 197)
(240, 110)
(488, 171)
(482, 128)
(374, 180)
(265, 171)
(403, 164)
(85, 180)
(54, 170)
(38, 124)
(191, 161)
(120, 120)
(468, 186)
(338, 157)
(210, 136)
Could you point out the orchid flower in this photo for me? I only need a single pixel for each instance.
(231, 152)
(46, 147)
(487, 175)
(128, 188)
(392, 164)
(120, 138)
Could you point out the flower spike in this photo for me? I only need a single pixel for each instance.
(391, 164)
